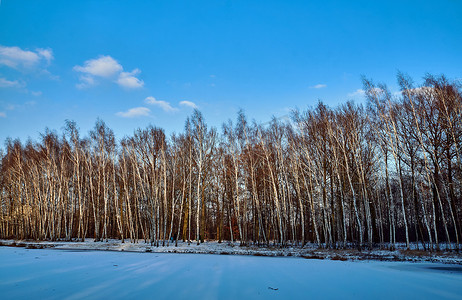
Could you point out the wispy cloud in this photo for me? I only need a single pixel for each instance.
(357, 93)
(162, 104)
(22, 106)
(2, 114)
(5, 83)
(85, 81)
(318, 86)
(363, 93)
(134, 112)
(188, 103)
(25, 60)
(36, 93)
(106, 67)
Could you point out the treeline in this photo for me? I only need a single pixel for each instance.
(372, 176)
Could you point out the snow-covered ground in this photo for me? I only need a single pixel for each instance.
(213, 247)
(76, 274)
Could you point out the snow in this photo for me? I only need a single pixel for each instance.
(76, 274)
(213, 247)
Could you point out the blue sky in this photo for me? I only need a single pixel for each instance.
(134, 63)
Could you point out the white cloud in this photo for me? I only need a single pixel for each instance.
(162, 104)
(422, 89)
(5, 83)
(128, 79)
(103, 66)
(318, 86)
(134, 112)
(106, 67)
(357, 93)
(47, 54)
(17, 58)
(2, 114)
(188, 103)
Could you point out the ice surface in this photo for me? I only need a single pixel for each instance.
(75, 274)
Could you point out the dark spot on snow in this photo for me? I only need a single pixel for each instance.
(38, 246)
(341, 258)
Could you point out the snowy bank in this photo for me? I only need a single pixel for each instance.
(310, 251)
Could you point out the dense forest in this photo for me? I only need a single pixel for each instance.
(375, 175)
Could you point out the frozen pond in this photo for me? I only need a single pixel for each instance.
(63, 274)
